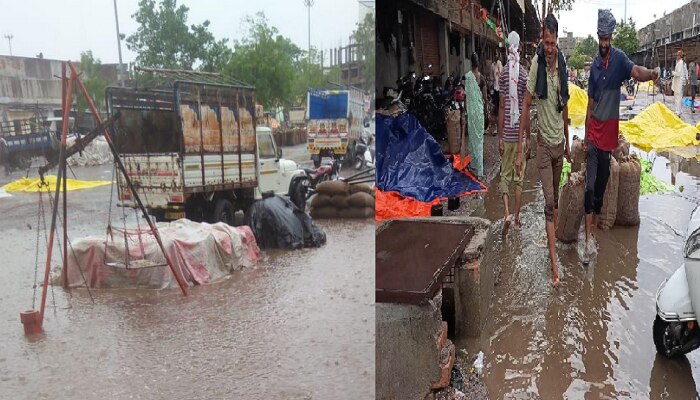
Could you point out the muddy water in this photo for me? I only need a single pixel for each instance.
(592, 337)
(300, 326)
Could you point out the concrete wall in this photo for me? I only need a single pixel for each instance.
(407, 359)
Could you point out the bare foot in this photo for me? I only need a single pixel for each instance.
(516, 223)
(555, 282)
(506, 224)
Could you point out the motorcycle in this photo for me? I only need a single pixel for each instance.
(364, 153)
(326, 172)
(675, 329)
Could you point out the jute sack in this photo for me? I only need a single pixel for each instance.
(357, 212)
(361, 187)
(578, 155)
(361, 199)
(608, 213)
(628, 191)
(571, 207)
(324, 212)
(453, 131)
(321, 200)
(622, 150)
(340, 201)
(332, 188)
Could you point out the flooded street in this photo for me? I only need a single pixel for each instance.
(300, 326)
(591, 338)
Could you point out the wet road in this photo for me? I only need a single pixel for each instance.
(592, 338)
(300, 326)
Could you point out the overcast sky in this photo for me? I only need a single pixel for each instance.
(582, 19)
(61, 29)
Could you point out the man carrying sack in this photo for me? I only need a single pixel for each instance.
(512, 82)
(548, 83)
(610, 68)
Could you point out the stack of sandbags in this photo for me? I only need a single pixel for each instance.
(571, 207)
(453, 131)
(578, 155)
(628, 191)
(338, 199)
(608, 213)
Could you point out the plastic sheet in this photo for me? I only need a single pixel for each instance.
(578, 102)
(32, 184)
(657, 127)
(390, 205)
(409, 161)
(277, 223)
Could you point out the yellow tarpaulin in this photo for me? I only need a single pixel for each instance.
(578, 101)
(32, 184)
(657, 127)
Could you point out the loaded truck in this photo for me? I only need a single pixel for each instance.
(335, 123)
(195, 150)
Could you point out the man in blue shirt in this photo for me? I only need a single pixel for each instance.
(610, 68)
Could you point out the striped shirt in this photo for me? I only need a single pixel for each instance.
(511, 134)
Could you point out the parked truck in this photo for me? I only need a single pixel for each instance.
(195, 151)
(335, 122)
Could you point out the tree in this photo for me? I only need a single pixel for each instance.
(265, 59)
(587, 47)
(309, 74)
(625, 37)
(364, 37)
(90, 69)
(163, 39)
(577, 60)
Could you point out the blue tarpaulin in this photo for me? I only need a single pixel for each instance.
(409, 161)
(328, 104)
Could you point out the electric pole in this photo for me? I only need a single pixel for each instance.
(120, 76)
(309, 4)
(9, 41)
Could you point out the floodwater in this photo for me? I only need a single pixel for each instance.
(592, 337)
(300, 326)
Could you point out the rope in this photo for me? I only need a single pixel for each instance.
(80, 268)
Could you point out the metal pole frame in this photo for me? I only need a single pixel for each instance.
(108, 138)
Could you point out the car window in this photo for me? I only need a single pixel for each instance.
(265, 147)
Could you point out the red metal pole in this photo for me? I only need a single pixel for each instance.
(154, 229)
(65, 225)
(61, 167)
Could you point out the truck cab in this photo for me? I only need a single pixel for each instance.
(276, 174)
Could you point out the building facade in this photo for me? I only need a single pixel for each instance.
(437, 37)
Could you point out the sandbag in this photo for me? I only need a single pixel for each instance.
(622, 150)
(324, 212)
(571, 207)
(453, 132)
(321, 200)
(628, 191)
(340, 201)
(332, 188)
(277, 223)
(608, 213)
(361, 199)
(360, 187)
(578, 154)
(355, 212)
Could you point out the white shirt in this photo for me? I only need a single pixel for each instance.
(680, 76)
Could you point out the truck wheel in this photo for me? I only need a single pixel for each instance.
(298, 194)
(663, 339)
(223, 212)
